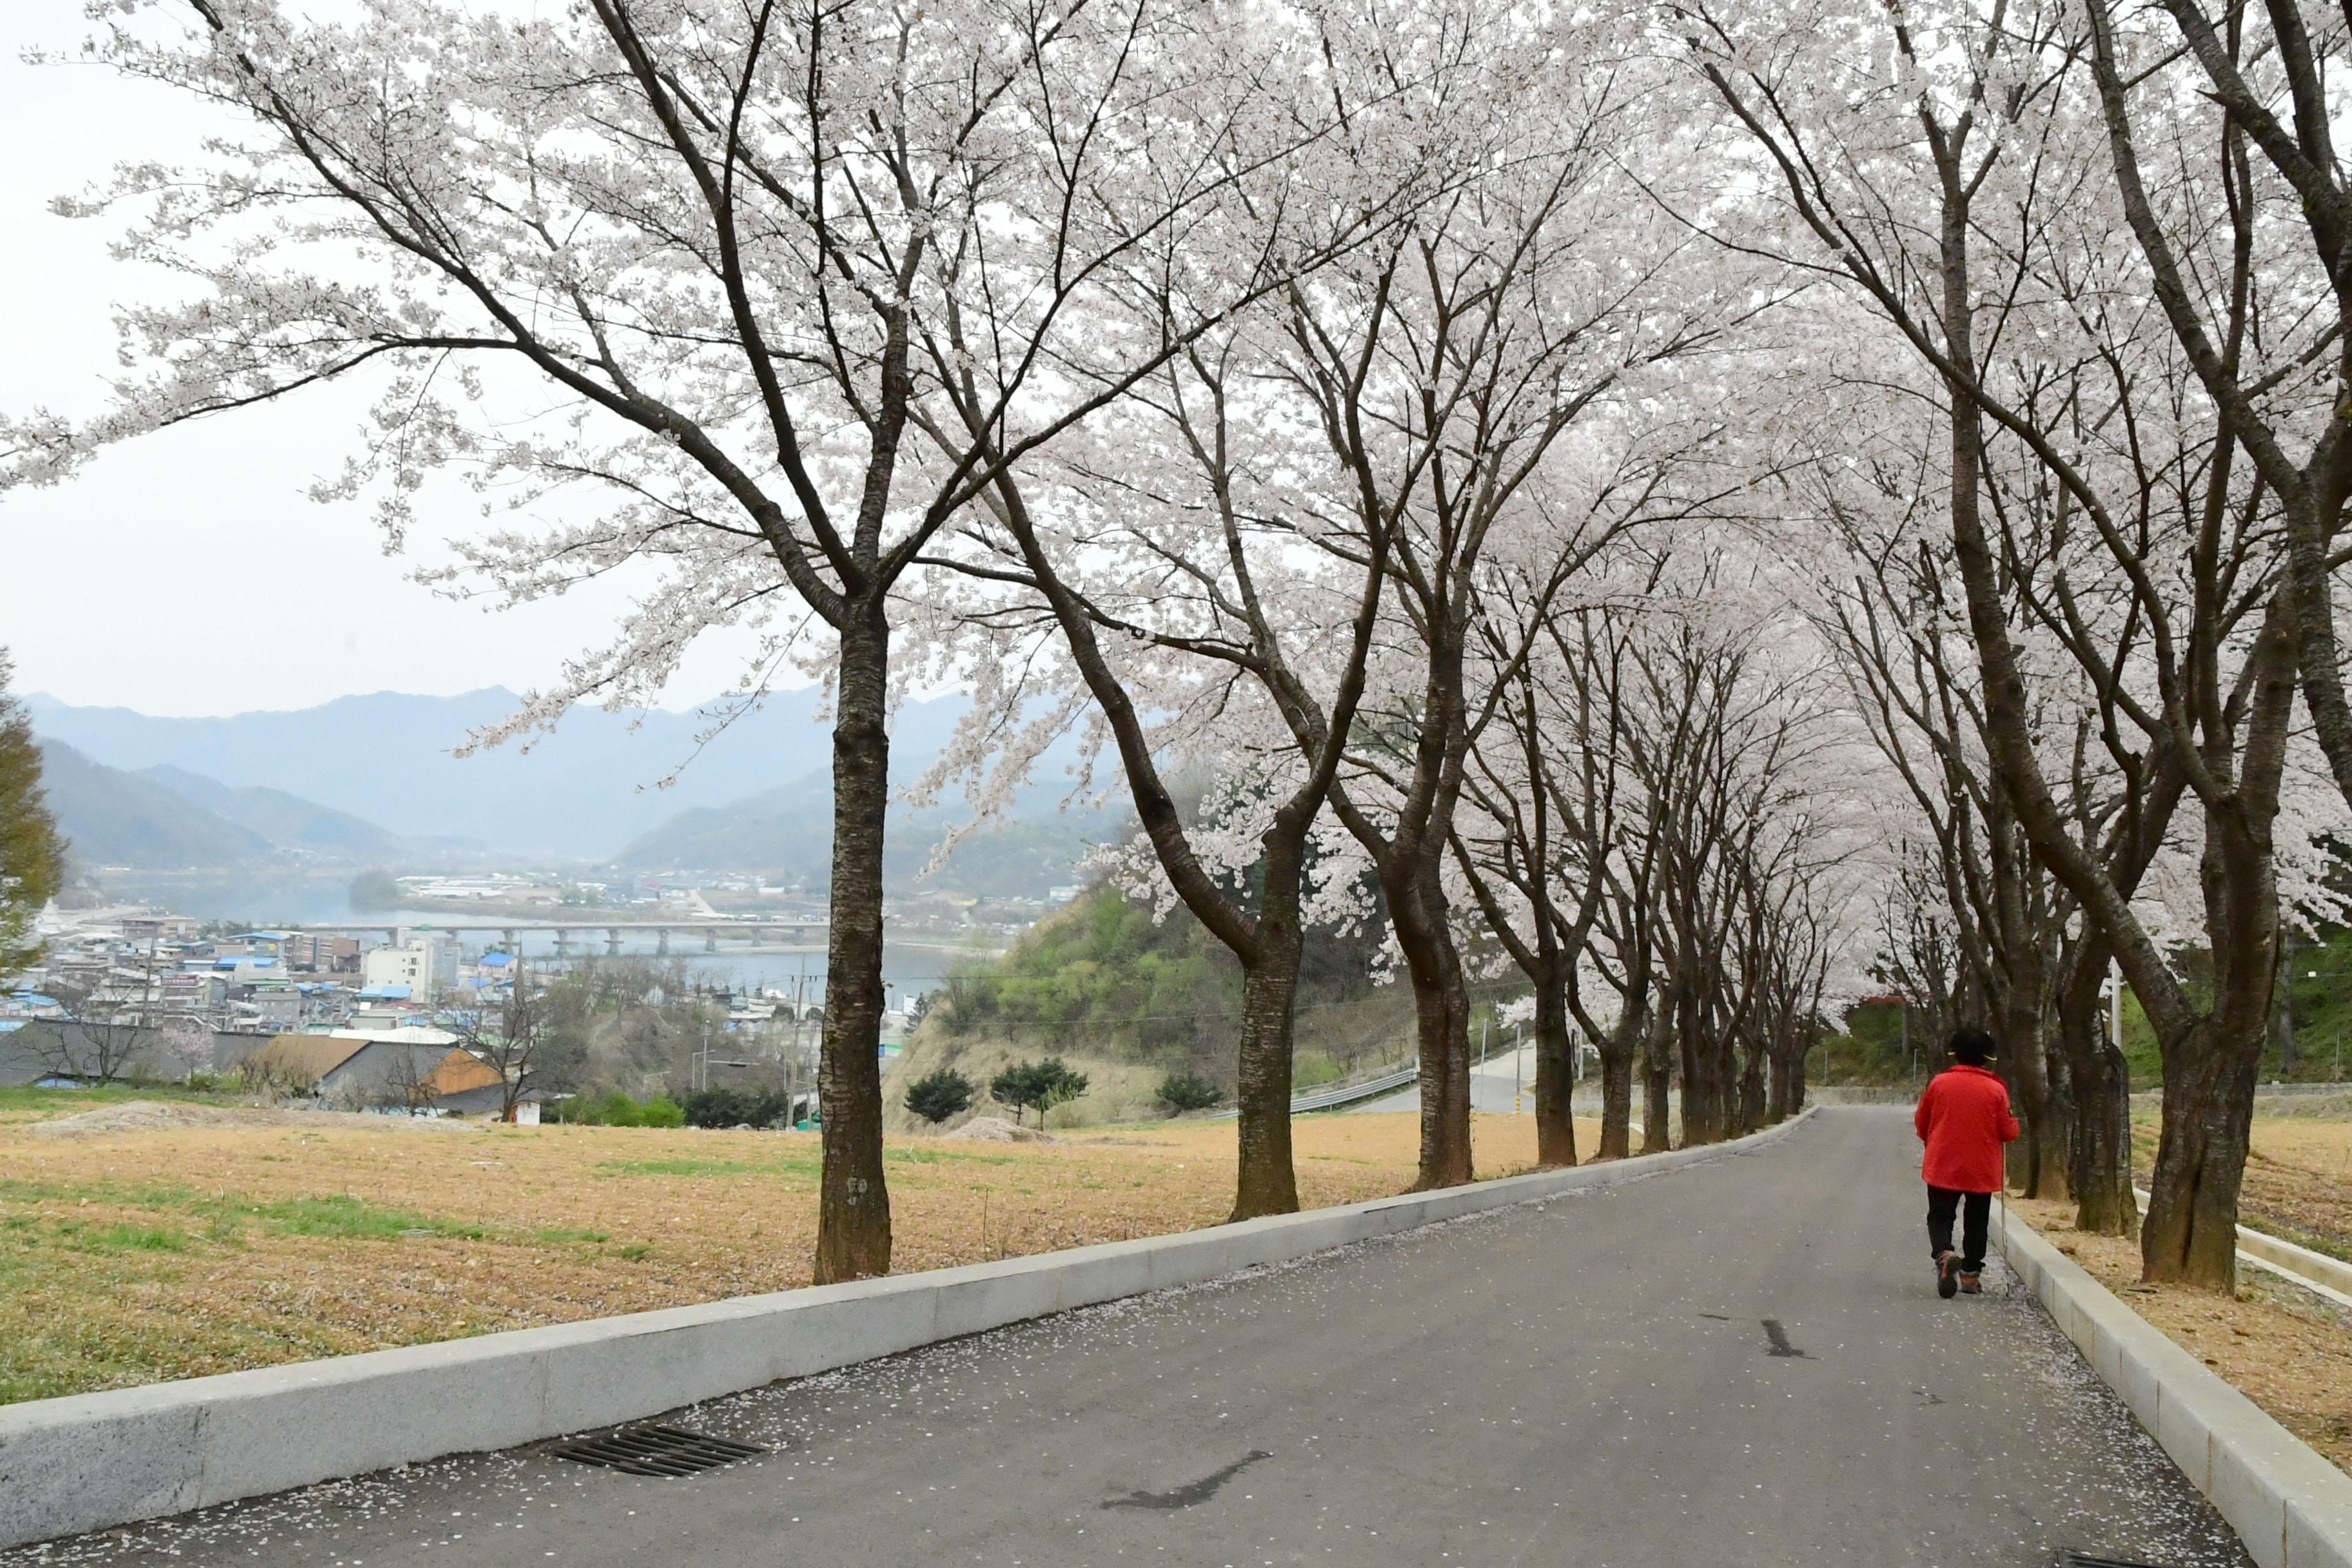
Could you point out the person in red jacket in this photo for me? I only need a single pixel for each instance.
(1964, 1119)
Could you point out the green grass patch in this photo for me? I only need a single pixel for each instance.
(132, 1238)
(919, 1156)
(348, 1218)
(674, 1168)
(224, 1219)
(2287, 1230)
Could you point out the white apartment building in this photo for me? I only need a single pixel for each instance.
(425, 961)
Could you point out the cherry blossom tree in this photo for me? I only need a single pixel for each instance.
(2240, 205)
(1549, 302)
(1339, 462)
(1959, 200)
(728, 242)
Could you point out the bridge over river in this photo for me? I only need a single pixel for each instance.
(759, 932)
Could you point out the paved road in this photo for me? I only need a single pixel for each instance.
(1739, 1364)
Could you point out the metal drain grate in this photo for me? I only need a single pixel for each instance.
(657, 1451)
(2088, 1560)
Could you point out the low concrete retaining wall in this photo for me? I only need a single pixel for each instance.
(2315, 1272)
(2331, 1273)
(2291, 1507)
(98, 1459)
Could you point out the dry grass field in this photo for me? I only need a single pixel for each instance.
(2299, 1182)
(166, 1250)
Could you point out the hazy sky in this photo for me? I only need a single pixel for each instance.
(188, 573)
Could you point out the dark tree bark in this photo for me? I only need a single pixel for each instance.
(853, 1234)
(1657, 1077)
(1554, 1077)
(1620, 1048)
(2100, 1171)
(1267, 1180)
(1441, 1001)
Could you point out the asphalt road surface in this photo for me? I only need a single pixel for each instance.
(1739, 1363)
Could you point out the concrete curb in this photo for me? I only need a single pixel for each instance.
(96, 1460)
(2291, 1507)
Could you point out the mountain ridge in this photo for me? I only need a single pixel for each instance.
(787, 834)
(603, 788)
(111, 817)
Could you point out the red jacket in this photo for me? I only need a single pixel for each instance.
(1963, 1118)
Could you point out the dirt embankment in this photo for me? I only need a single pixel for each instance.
(1116, 1090)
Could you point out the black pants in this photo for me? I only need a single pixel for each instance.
(1941, 1204)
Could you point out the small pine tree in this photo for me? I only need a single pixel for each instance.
(1044, 1085)
(1016, 1087)
(1183, 1091)
(938, 1096)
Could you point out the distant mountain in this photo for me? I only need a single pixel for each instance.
(168, 820)
(579, 793)
(594, 785)
(115, 818)
(286, 821)
(787, 835)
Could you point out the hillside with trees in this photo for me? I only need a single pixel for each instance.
(1132, 999)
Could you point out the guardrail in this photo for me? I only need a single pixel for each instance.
(1371, 1089)
(1347, 1094)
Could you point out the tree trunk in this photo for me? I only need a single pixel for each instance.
(2211, 1068)
(2282, 1013)
(1442, 1017)
(2058, 1152)
(2033, 1160)
(1657, 1072)
(1555, 1072)
(1267, 1180)
(1785, 1095)
(852, 1226)
(2191, 1231)
(1703, 1083)
(1751, 1090)
(2100, 1170)
(1793, 1067)
(1617, 1055)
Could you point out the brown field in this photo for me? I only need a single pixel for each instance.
(2299, 1182)
(135, 1255)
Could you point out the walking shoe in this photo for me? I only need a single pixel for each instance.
(1948, 1275)
(1971, 1284)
